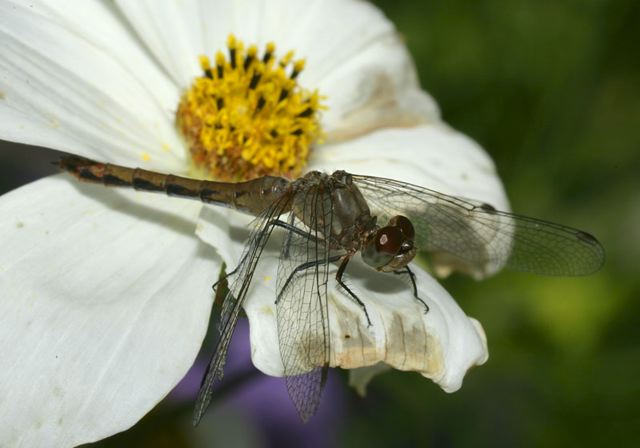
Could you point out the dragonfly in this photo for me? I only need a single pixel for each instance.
(327, 219)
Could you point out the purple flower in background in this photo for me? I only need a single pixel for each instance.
(264, 399)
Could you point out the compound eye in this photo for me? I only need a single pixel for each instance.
(383, 247)
(389, 240)
(404, 224)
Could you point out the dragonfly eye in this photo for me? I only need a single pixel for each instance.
(389, 249)
(404, 224)
(389, 240)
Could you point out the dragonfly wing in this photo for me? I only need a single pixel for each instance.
(476, 233)
(302, 312)
(262, 228)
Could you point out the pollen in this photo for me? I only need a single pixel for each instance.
(246, 115)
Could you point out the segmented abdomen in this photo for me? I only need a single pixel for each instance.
(251, 196)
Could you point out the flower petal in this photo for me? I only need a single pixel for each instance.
(73, 78)
(441, 344)
(106, 298)
(354, 55)
(378, 88)
(433, 156)
(216, 229)
(172, 31)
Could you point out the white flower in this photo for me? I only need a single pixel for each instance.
(105, 294)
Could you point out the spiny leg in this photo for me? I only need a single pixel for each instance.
(274, 222)
(412, 277)
(341, 270)
(304, 267)
(294, 229)
(225, 276)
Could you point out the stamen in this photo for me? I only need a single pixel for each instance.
(206, 66)
(251, 56)
(286, 59)
(220, 64)
(246, 116)
(231, 43)
(268, 54)
(260, 105)
(255, 79)
(297, 68)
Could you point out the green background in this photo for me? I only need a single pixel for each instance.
(552, 90)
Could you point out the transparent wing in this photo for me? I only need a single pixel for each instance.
(478, 234)
(302, 314)
(263, 226)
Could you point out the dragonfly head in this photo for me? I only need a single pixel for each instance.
(391, 247)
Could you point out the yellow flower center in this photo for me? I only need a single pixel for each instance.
(246, 116)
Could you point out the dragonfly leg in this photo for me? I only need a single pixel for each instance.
(274, 222)
(303, 267)
(292, 228)
(412, 277)
(224, 277)
(339, 274)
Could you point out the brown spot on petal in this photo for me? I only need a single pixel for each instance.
(402, 342)
(359, 349)
(379, 108)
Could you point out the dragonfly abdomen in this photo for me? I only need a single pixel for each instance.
(250, 196)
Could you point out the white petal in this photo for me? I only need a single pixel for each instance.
(73, 78)
(172, 30)
(178, 31)
(226, 230)
(353, 53)
(355, 58)
(377, 88)
(105, 302)
(433, 156)
(441, 344)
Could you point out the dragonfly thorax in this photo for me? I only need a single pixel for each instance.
(334, 206)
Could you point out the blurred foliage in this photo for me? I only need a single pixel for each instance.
(552, 90)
